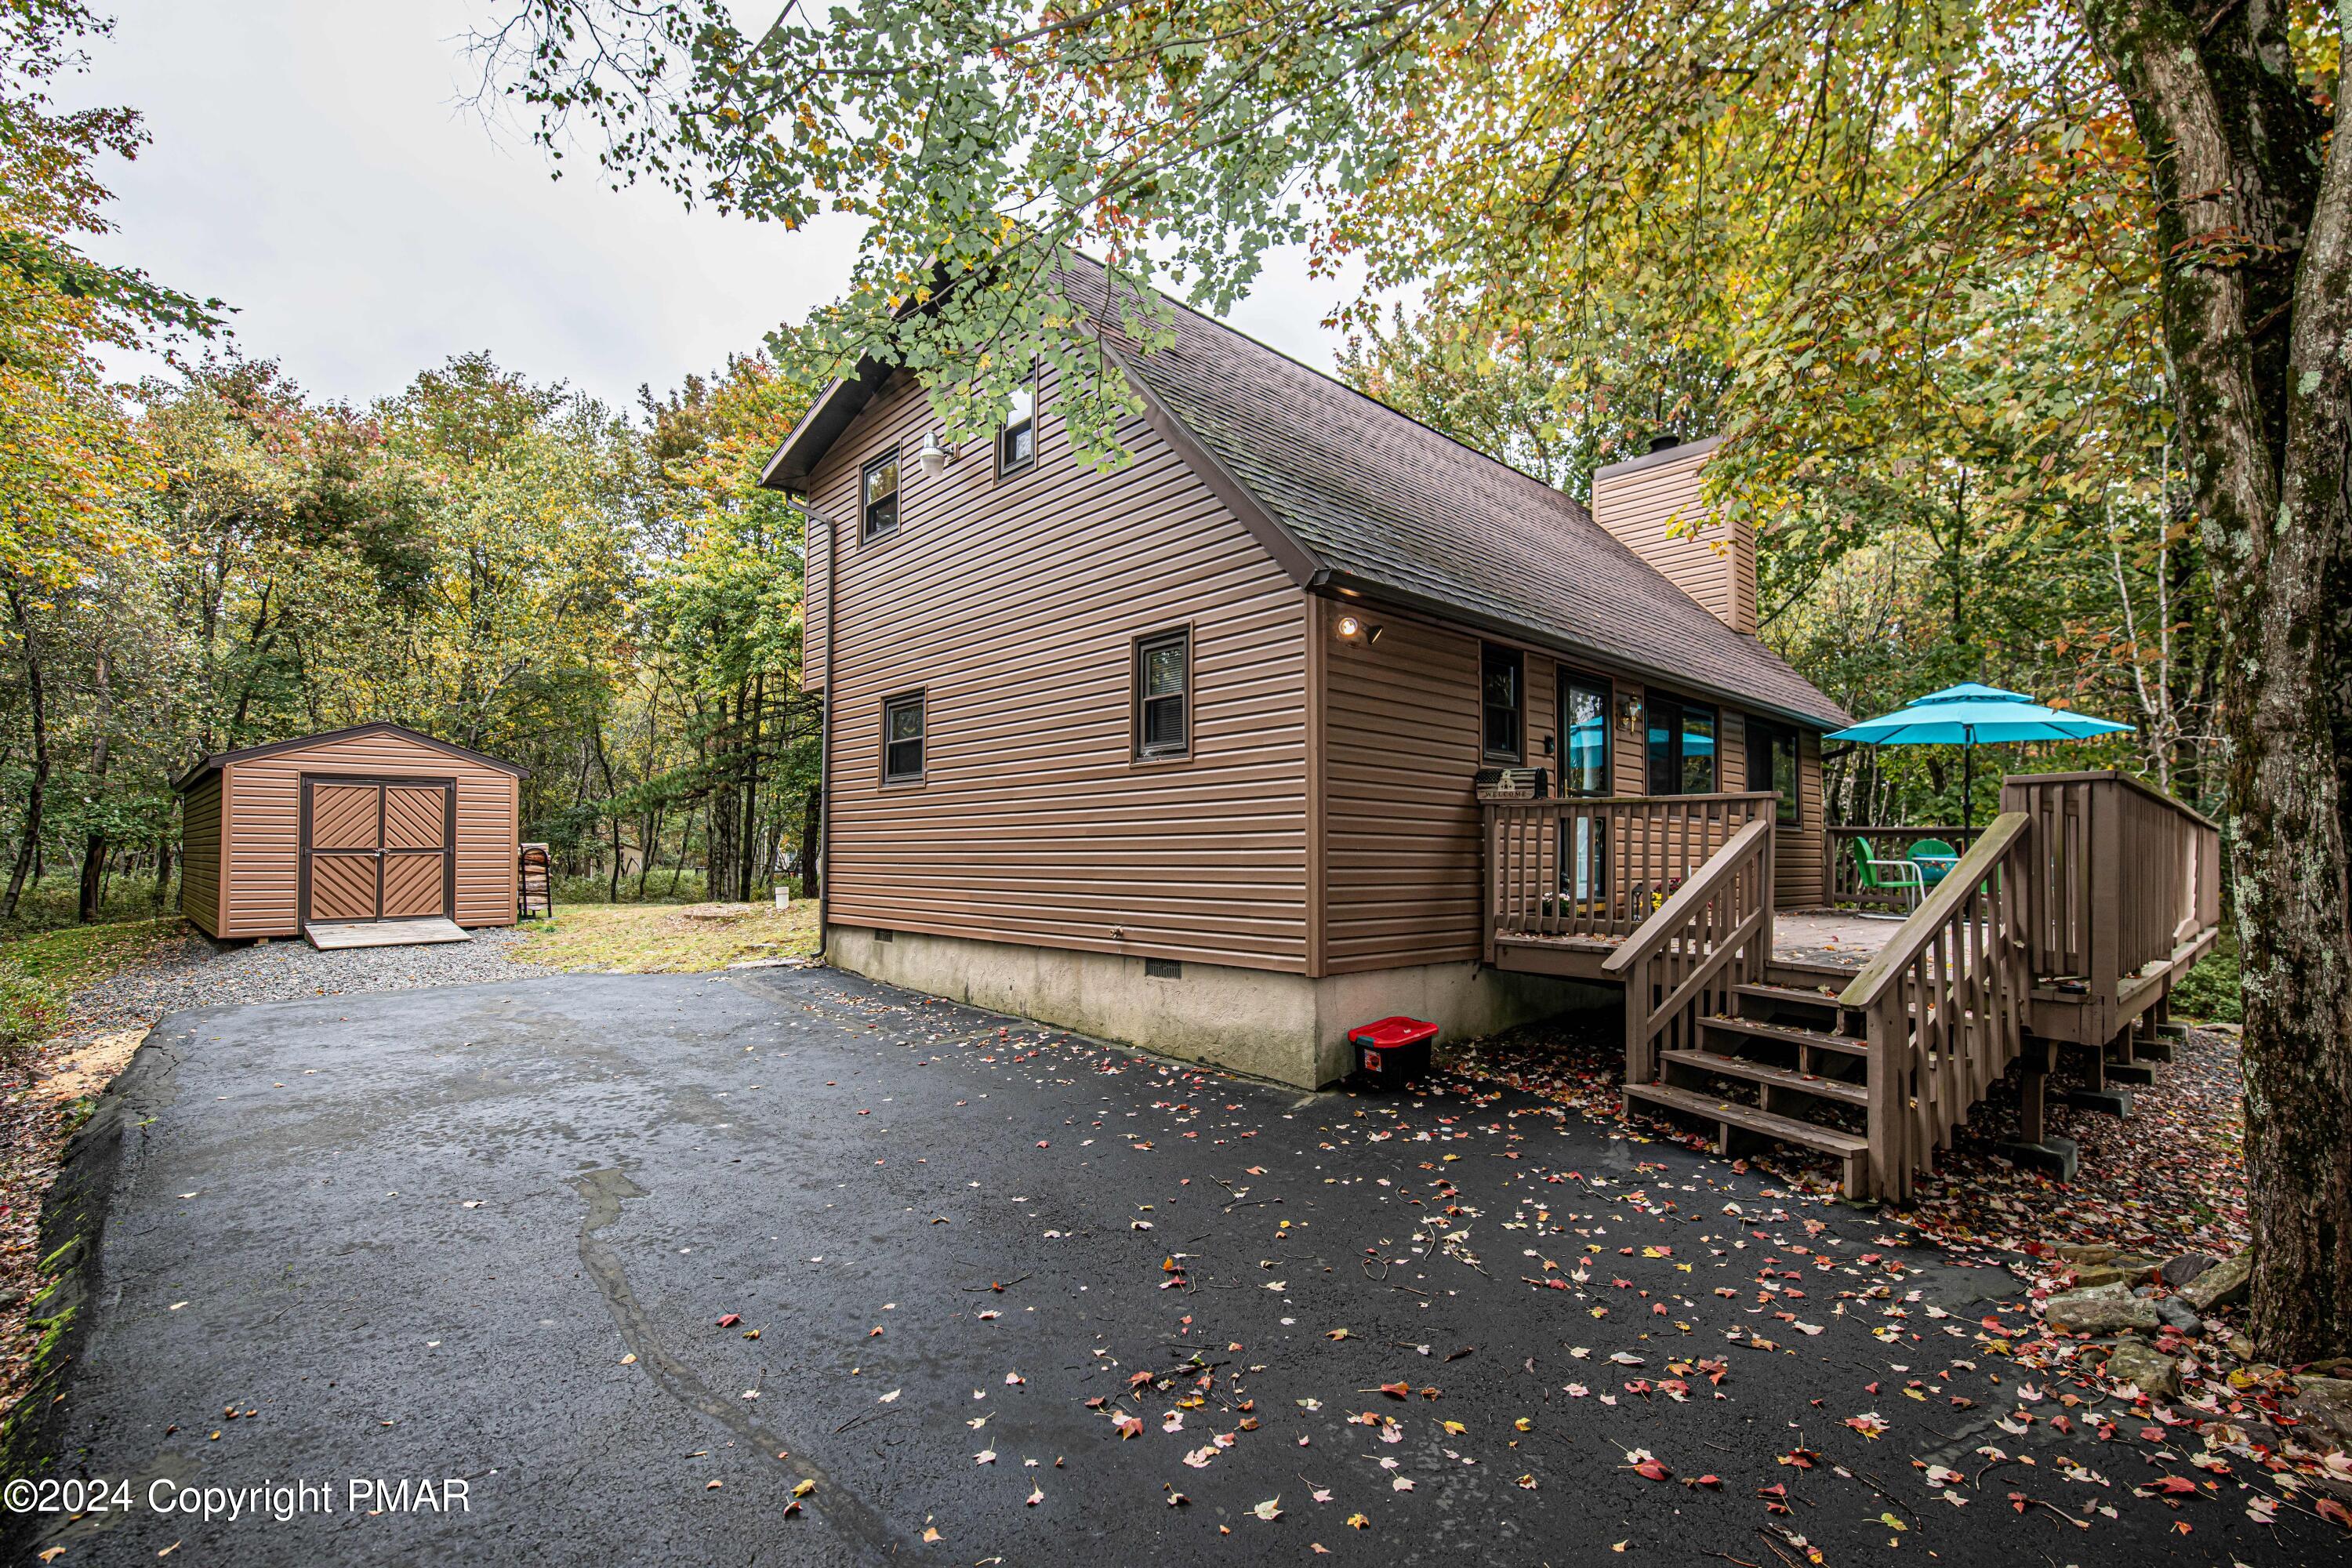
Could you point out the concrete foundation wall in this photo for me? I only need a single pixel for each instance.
(1286, 1027)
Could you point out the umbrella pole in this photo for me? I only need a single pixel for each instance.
(1969, 780)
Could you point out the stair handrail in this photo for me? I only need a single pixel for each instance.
(1866, 988)
(1748, 936)
(1973, 985)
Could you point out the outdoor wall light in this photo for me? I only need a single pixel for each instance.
(1352, 629)
(933, 457)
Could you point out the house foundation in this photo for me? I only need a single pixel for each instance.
(1287, 1028)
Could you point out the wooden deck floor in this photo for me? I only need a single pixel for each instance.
(1838, 937)
(1830, 939)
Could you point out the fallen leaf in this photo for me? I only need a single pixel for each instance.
(1269, 1510)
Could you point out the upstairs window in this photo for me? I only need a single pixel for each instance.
(880, 491)
(1164, 694)
(1016, 444)
(1502, 685)
(902, 737)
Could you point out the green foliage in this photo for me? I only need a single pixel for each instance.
(2209, 993)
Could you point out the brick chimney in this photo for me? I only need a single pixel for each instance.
(1650, 505)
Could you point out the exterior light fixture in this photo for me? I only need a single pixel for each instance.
(933, 457)
(1349, 627)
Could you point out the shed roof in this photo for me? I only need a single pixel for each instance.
(219, 760)
(1363, 497)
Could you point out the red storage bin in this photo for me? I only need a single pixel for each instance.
(1394, 1050)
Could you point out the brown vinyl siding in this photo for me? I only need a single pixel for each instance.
(263, 818)
(1641, 504)
(1402, 833)
(1731, 752)
(1402, 827)
(1797, 869)
(1014, 603)
(815, 587)
(200, 855)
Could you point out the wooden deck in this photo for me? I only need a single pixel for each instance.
(2066, 924)
(1824, 940)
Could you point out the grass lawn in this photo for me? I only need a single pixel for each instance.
(664, 938)
(39, 972)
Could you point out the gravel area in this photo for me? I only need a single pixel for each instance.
(194, 972)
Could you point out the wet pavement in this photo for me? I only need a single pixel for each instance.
(783, 1267)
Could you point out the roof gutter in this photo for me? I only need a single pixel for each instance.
(1442, 610)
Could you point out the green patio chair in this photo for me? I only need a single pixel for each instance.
(1873, 875)
(1935, 859)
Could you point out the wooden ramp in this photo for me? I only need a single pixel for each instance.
(327, 935)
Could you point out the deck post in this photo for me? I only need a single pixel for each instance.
(2034, 1090)
(2035, 1149)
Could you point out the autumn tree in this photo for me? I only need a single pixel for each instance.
(1869, 154)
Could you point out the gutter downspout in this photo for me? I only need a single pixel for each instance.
(824, 746)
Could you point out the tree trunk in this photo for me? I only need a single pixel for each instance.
(2256, 233)
(94, 844)
(162, 870)
(28, 845)
(812, 814)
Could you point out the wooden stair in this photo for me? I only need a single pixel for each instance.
(1851, 1148)
(1779, 1068)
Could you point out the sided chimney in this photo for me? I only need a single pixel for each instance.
(1650, 505)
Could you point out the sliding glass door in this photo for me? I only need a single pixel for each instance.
(1584, 771)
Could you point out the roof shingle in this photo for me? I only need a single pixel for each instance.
(1385, 502)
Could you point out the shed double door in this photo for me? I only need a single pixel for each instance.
(378, 850)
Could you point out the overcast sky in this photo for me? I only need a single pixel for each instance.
(313, 164)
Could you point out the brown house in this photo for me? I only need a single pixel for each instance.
(373, 822)
(1184, 753)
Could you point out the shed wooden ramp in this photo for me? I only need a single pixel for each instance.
(2066, 924)
(329, 935)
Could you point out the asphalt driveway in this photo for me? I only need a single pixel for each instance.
(783, 1267)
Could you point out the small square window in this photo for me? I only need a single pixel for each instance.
(902, 737)
(1164, 694)
(881, 496)
(1501, 685)
(1016, 444)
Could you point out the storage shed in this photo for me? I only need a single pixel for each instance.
(375, 822)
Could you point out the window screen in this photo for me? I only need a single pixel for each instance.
(1017, 446)
(1500, 682)
(1698, 750)
(1682, 747)
(1773, 765)
(1163, 691)
(881, 492)
(902, 737)
(1584, 736)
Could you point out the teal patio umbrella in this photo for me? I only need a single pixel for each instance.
(1969, 715)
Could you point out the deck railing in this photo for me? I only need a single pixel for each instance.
(1844, 874)
(1597, 868)
(1946, 1002)
(2126, 875)
(1713, 934)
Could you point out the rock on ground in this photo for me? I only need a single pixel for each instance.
(2225, 1281)
(2145, 1367)
(2099, 1309)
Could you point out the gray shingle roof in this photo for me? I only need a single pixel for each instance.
(1375, 501)
(1387, 504)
